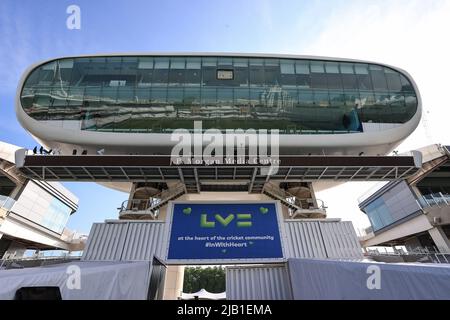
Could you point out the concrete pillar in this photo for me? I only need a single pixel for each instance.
(440, 239)
(313, 194)
(173, 283)
(163, 212)
(15, 250)
(3, 213)
(17, 191)
(133, 189)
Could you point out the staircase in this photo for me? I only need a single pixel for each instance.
(427, 168)
(167, 195)
(148, 208)
(298, 207)
(278, 194)
(191, 187)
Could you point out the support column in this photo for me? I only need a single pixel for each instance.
(173, 285)
(313, 194)
(3, 213)
(440, 239)
(133, 189)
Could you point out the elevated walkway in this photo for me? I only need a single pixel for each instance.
(198, 177)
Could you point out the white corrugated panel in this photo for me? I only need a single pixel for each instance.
(138, 241)
(321, 240)
(341, 241)
(314, 279)
(105, 241)
(127, 241)
(258, 283)
(304, 239)
(144, 240)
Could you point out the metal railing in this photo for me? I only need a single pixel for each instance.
(139, 204)
(431, 253)
(36, 259)
(293, 202)
(151, 206)
(434, 199)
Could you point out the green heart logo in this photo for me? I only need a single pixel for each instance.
(263, 210)
(187, 210)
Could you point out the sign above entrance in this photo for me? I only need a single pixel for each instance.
(224, 232)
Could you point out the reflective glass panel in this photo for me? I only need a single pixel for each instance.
(161, 93)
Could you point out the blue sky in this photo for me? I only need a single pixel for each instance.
(31, 31)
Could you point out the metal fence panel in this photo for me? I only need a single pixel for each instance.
(258, 283)
(304, 239)
(105, 241)
(144, 240)
(341, 241)
(127, 241)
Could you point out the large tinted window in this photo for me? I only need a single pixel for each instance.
(362, 74)
(334, 80)
(318, 75)
(272, 72)
(394, 205)
(154, 93)
(287, 73)
(393, 80)
(303, 75)
(193, 73)
(161, 71)
(177, 71)
(144, 72)
(378, 78)
(348, 76)
(240, 72)
(256, 72)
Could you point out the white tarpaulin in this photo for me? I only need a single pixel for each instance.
(203, 295)
(98, 280)
(330, 279)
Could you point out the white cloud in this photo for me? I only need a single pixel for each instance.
(412, 35)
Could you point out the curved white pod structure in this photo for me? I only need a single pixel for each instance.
(131, 103)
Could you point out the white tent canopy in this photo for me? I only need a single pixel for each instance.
(203, 295)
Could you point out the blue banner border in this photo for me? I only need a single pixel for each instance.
(280, 221)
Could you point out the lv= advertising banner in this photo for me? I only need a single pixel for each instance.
(212, 232)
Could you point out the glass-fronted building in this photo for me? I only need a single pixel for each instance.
(414, 212)
(398, 202)
(38, 205)
(33, 213)
(161, 93)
